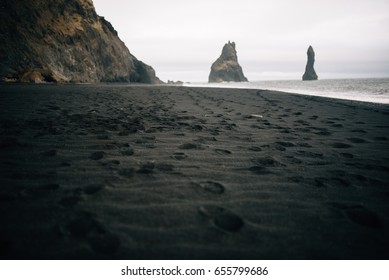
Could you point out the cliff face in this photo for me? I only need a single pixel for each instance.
(63, 41)
(226, 68)
(310, 73)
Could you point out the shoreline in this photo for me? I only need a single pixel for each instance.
(123, 171)
(319, 89)
(341, 100)
(324, 98)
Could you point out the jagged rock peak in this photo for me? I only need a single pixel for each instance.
(63, 41)
(310, 73)
(226, 68)
(229, 51)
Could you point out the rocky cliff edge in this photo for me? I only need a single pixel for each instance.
(64, 41)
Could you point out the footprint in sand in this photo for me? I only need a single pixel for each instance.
(359, 214)
(267, 161)
(94, 188)
(127, 172)
(70, 201)
(340, 145)
(7, 197)
(285, 144)
(190, 146)
(65, 164)
(322, 131)
(310, 154)
(179, 156)
(347, 155)
(111, 163)
(293, 160)
(381, 138)
(99, 239)
(164, 167)
(211, 187)
(228, 221)
(296, 179)
(83, 225)
(259, 170)
(360, 177)
(48, 187)
(358, 131)
(96, 155)
(147, 168)
(127, 151)
(304, 145)
(50, 153)
(103, 137)
(124, 133)
(106, 244)
(333, 181)
(42, 190)
(356, 140)
(196, 127)
(255, 149)
(281, 146)
(302, 122)
(221, 218)
(223, 152)
(203, 139)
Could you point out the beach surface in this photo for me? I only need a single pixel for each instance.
(161, 172)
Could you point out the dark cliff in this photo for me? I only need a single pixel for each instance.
(310, 73)
(226, 68)
(63, 41)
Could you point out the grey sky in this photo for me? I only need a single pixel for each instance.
(181, 39)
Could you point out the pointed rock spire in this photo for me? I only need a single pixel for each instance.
(310, 73)
(226, 68)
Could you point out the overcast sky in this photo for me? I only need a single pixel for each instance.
(182, 38)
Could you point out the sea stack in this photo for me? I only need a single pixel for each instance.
(226, 68)
(64, 41)
(310, 73)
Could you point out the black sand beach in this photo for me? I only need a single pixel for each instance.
(158, 172)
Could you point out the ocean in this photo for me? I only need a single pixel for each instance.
(374, 90)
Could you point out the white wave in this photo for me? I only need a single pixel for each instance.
(374, 90)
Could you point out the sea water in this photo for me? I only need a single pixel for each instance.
(374, 90)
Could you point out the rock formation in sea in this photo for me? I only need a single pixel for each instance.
(310, 73)
(226, 68)
(64, 41)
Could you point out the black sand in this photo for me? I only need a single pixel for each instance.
(147, 172)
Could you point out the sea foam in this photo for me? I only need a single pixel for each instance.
(375, 90)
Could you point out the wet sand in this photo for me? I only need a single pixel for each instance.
(158, 172)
